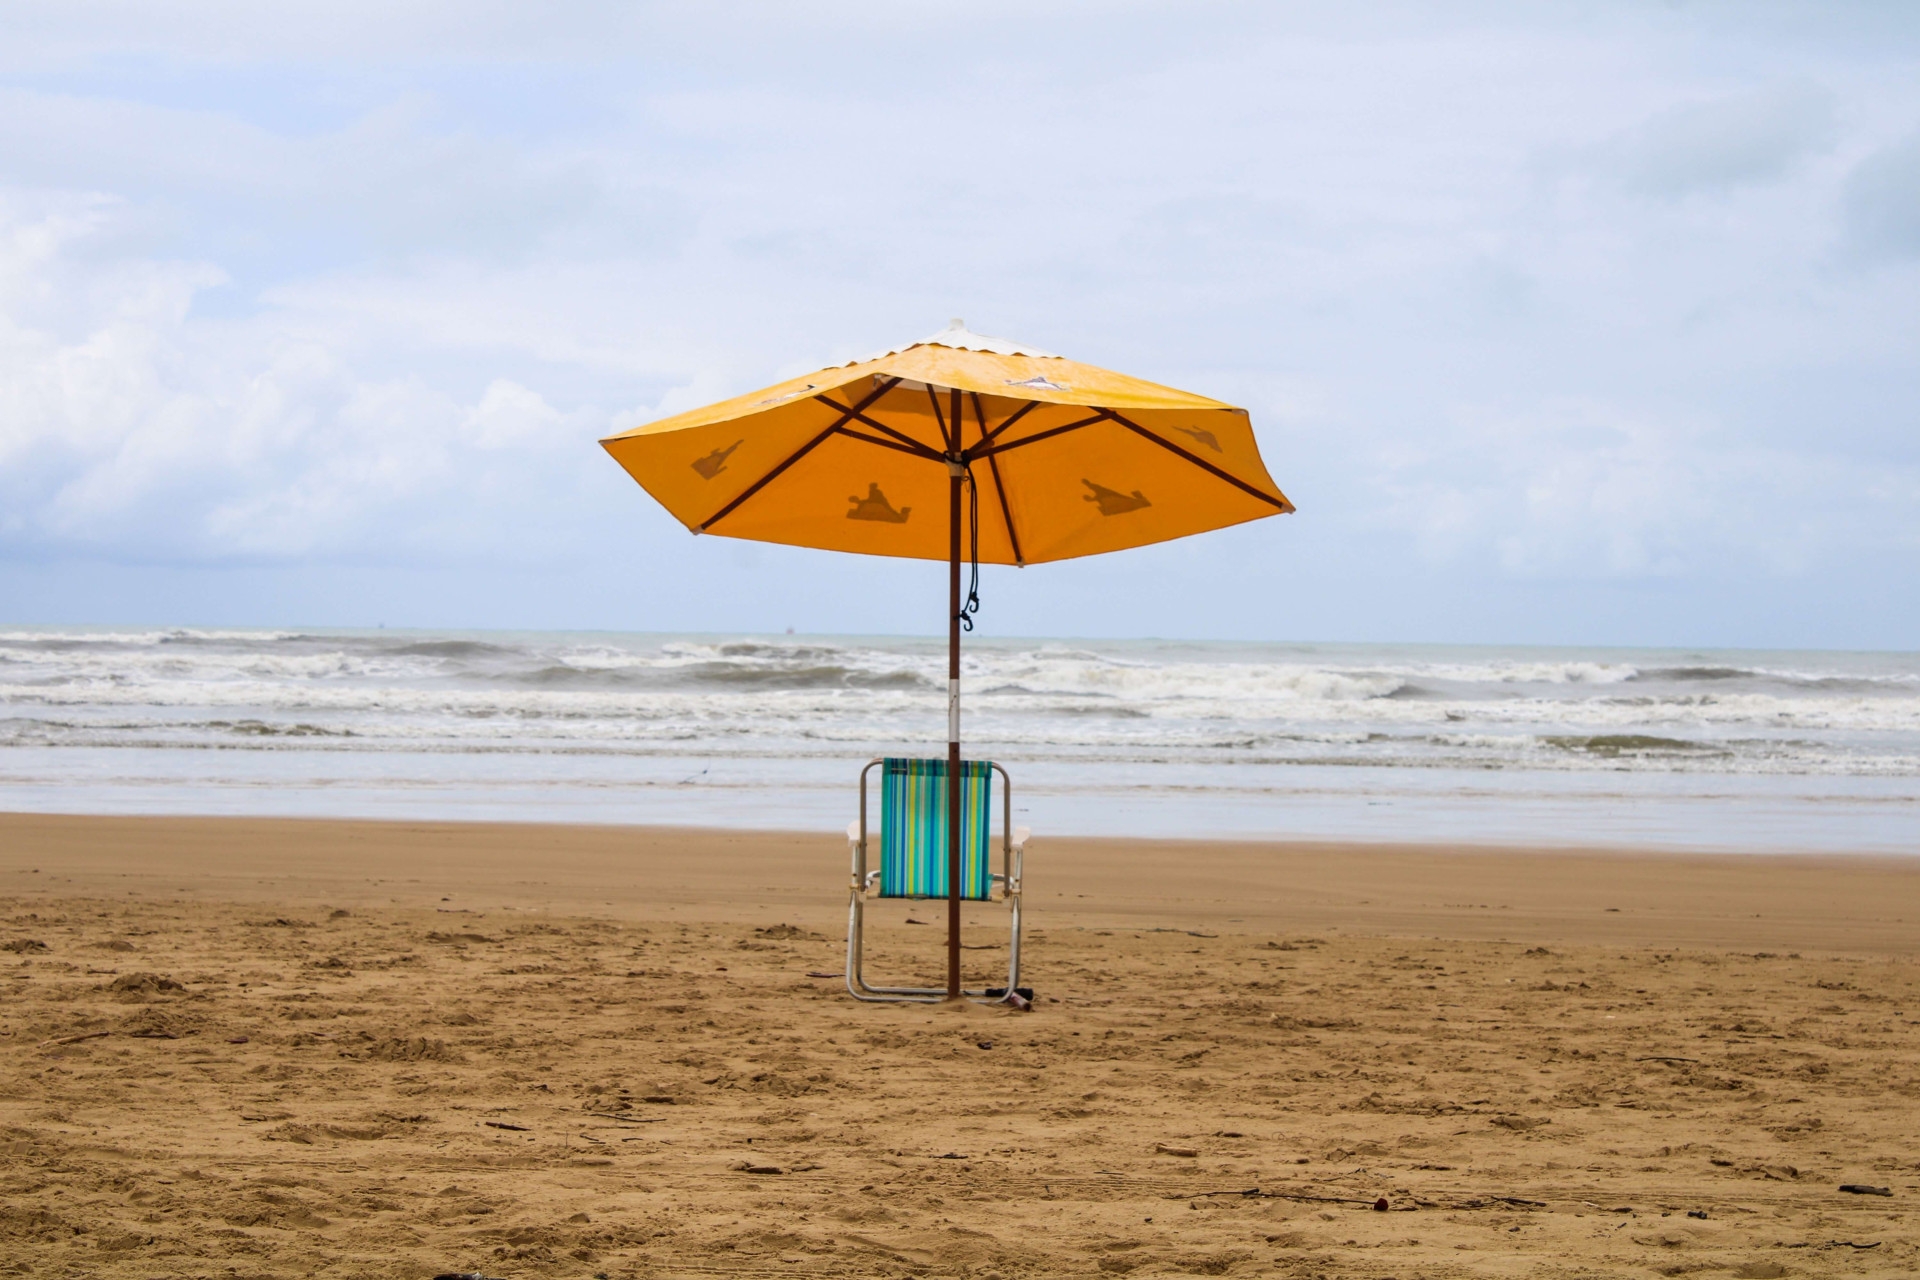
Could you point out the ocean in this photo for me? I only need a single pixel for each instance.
(1674, 749)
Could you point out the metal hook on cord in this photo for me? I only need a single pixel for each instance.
(972, 605)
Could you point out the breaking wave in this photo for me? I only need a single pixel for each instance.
(1160, 704)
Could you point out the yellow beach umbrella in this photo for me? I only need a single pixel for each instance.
(957, 447)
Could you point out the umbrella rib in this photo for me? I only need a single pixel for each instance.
(986, 437)
(999, 485)
(949, 437)
(1203, 464)
(913, 447)
(860, 417)
(1037, 436)
(796, 455)
(1006, 513)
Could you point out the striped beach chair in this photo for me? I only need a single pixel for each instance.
(913, 858)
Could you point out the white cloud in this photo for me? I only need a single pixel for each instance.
(1883, 201)
(507, 415)
(1582, 490)
(136, 429)
(1723, 143)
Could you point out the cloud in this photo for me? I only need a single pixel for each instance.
(390, 180)
(128, 427)
(507, 415)
(309, 289)
(1883, 201)
(233, 30)
(1596, 491)
(1725, 143)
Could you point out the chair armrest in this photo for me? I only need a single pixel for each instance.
(856, 856)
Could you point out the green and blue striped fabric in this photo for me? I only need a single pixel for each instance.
(913, 829)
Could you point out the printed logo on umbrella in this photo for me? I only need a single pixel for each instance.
(1204, 436)
(1113, 503)
(876, 507)
(785, 395)
(716, 462)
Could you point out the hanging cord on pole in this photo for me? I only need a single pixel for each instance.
(972, 605)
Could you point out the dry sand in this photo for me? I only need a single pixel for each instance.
(237, 1047)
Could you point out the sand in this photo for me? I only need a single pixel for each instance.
(238, 1047)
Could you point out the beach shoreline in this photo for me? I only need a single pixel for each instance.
(1676, 749)
(1574, 894)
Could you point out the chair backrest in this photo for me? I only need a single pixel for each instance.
(913, 829)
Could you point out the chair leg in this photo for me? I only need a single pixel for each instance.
(855, 978)
(1013, 945)
(852, 974)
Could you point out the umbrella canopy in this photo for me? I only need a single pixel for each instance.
(959, 444)
(1069, 459)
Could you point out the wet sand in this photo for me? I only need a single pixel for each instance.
(283, 1048)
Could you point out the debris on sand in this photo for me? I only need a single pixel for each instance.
(144, 984)
(157, 1024)
(411, 1049)
(790, 933)
(1862, 1189)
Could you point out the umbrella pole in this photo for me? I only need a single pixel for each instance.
(954, 781)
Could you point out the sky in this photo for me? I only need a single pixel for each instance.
(1560, 323)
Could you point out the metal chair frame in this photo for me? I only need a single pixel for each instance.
(1013, 841)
